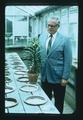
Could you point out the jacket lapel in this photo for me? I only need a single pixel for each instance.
(44, 43)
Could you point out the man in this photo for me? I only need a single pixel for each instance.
(56, 60)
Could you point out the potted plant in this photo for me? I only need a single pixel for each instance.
(32, 54)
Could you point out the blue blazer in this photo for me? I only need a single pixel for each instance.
(57, 64)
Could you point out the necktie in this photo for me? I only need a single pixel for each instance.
(49, 44)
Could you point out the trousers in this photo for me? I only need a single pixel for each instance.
(59, 93)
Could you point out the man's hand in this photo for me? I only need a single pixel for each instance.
(64, 82)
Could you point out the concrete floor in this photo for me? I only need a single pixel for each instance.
(67, 108)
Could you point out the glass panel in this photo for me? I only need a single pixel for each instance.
(17, 24)
(8, 31)
(73, 33)
(20, 30)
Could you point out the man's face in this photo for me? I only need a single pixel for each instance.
(52, 26)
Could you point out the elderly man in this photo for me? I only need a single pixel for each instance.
(56, 60)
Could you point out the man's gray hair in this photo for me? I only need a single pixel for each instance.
(56, 19)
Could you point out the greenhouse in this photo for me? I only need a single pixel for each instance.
(24, 26)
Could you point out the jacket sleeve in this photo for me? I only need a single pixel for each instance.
(67, 59)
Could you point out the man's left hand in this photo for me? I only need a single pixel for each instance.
(64, 82)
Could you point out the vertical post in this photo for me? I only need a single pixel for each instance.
(27, 28)
(13, 30)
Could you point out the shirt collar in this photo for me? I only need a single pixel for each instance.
(54, 35)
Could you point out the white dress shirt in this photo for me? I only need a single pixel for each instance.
(53, 39)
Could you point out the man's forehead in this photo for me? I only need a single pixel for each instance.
(52, 21)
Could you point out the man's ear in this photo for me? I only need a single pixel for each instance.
(58, 24)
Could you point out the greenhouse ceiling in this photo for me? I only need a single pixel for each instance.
(23, 10)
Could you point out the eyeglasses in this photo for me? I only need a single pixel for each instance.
(52, 25)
